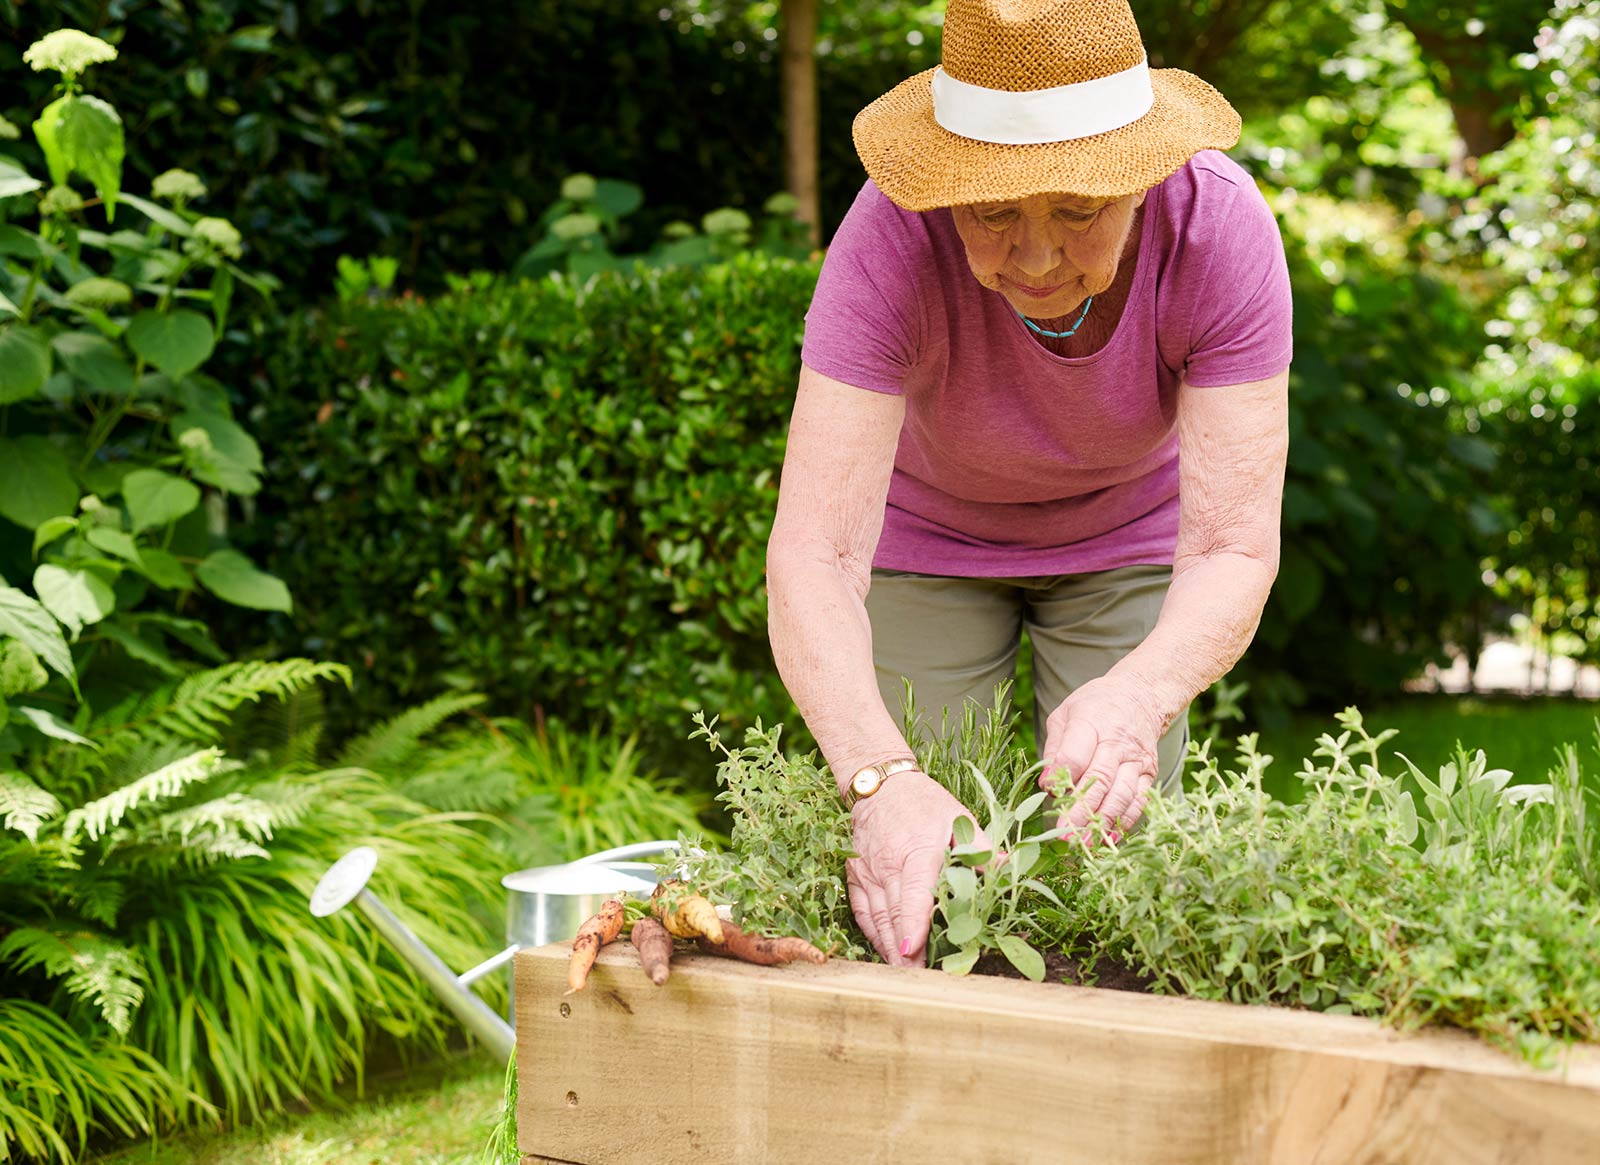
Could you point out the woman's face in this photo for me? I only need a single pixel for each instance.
(1049, 252)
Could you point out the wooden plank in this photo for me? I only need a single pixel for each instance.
(866, 1063)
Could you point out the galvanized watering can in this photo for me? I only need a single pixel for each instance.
(544, 904)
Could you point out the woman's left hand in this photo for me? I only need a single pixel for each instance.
(1102, 739)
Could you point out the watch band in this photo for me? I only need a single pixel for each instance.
(870, 779)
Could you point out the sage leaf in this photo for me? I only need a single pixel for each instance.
(1023, 957)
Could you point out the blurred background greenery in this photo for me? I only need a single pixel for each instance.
(481, 406)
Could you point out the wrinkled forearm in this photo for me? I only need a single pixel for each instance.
(1211, 613)
(822, 642)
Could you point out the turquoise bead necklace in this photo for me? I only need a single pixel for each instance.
(1060, 335)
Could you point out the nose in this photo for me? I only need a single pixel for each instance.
(1037, 251)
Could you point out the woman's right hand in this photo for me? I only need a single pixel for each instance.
(902, 833)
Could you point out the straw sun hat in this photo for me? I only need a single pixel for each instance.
(1038, 97)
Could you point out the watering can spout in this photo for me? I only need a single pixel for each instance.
(546, 904)
(346, 883)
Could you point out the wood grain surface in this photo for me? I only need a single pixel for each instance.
(850, 1063)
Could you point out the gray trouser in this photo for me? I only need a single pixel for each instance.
(956, 638)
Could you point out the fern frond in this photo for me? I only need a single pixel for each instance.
(290, 803)
(96, 895)
(458, 789)
(98, 817)
(90, 966)
(24, 806)
(199, 707)
(235, 813)
(388, 747)
(201, 849)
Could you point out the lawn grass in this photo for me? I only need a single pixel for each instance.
(439, 1115)
(1514, 733)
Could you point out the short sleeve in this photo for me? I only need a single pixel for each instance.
(864, 326)
(1243, 320)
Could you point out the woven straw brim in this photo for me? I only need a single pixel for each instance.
(921, 165)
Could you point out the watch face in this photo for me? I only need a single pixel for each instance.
(866, 782)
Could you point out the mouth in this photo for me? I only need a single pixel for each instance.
(1036, 292)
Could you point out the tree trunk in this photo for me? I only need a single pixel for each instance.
(798, 28)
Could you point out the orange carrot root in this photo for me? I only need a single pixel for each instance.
(763, 951)
(654, 945)
(592, 935)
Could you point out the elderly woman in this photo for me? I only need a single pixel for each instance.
(1043, 390)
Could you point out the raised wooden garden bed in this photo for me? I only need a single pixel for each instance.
(851, 1063)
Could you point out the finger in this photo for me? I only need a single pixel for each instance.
(859, 906)
(883, 922)
(1091, 791)
(1119, 798)
(1070, 751)
(912, 891)
(1141, 799)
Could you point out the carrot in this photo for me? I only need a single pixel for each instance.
(763, 951)
(654, 945)
(592, 935)
(691, 917)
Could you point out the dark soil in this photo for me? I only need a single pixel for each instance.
(1060, 968)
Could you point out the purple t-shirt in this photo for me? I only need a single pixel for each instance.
(1013, 461)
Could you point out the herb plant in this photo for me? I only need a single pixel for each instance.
(1461, 898)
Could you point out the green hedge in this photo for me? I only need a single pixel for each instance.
(557, 496)
(562, 495)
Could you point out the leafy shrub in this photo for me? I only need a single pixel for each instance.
(1387, 503)
(1548, 437)
(375, 127)
(563, 491)
(583, 225)
(156, 950)
(121, 454)
(558, 494)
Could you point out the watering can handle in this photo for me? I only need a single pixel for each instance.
(636, 850)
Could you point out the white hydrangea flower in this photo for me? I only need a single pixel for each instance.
(8, 131)
(571, 227)
(68, 51)
(195, 440)
(60, 200)
(221, 235)
(726, 221)
(578, 187)
(96, 292)
(177, 186)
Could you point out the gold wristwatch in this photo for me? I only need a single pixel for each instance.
(870, 779)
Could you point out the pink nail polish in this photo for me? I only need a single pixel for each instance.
(905, 949)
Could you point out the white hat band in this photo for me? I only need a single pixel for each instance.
(1036, 116)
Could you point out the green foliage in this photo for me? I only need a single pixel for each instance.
(1329, 903)
(783, 872)
(988, 896)
(155, 947)
(555, 794)
(581, 227)
(563, 491)
(58, 1083)
(375, 127)
(1548, 434)
(122, 454)
(1379, 481)
(1474, 908)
